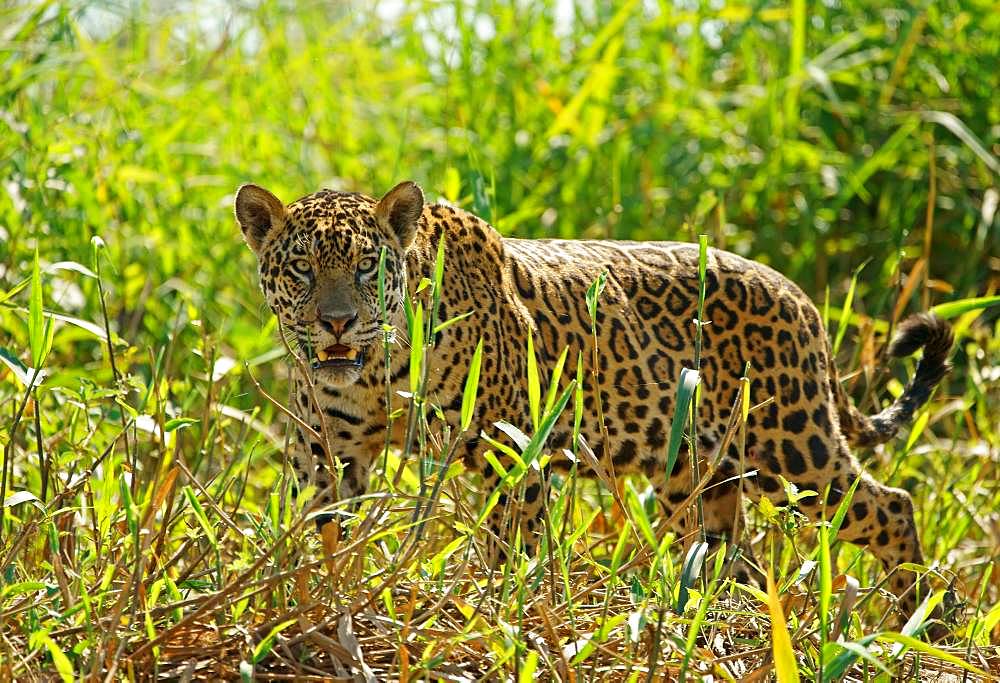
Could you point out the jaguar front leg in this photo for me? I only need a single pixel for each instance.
(335, 455)
(338, 492)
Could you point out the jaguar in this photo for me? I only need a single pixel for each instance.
(319, 262)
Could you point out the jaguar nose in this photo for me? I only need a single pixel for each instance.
(337, 324)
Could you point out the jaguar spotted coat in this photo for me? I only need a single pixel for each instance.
(318, 263)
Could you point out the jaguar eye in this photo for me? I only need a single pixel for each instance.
(366, 265)
(301, 266)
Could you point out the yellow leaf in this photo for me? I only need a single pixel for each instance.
(785, 667)
(745, 394)
(767, 508)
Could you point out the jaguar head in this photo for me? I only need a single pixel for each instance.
(318, 259)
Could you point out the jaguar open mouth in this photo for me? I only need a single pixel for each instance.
(338, 356)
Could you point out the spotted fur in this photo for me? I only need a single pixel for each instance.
(645, 335)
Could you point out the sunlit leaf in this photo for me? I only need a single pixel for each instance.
(263, 648)
(471, 386)
(685, 391)
(953, 309)
(534, 385)
(692, 570)
(925, 648)
(846, 315)
(179, 423)
(786, 668)
(22, 497)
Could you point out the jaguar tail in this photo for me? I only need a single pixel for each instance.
(921, 331)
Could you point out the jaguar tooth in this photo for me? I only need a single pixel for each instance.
(352, 354)
(322, 355)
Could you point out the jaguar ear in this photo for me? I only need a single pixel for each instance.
(259, 214)
(400, 209)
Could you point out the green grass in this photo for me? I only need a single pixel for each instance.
(148, 524)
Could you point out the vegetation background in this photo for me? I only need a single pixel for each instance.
(145, 506)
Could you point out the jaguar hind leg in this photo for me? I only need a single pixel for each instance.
(881, 518)
(721, 509)
(815, 457)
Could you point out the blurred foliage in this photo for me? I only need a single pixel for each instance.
(800, 135)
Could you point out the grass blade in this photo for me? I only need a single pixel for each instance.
(199, 514)
(593, 294)
(786, 669)
(838, 665)
(953, 309)
(931, 651)
(845, 317)
(263, 648)
(416, 347)
(471, 386)
(63, 666)
(550, 396)
(692, 570)
(534, 386)
(40, 330)
(685, 391)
